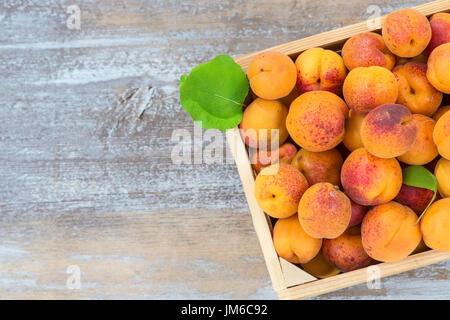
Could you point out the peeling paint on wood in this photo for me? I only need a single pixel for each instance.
(85, 142)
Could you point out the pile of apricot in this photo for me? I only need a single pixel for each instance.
(328, 136)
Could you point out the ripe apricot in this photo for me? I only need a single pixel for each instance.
(352, 139)
(346, 252)
(278, 189)
(366, 88)
(365, 50)
(388, 131)
(406, 32)
(263, 124)
(320, 268)
(442, 173)
(316, 120)
(441, 135)
(414, 90)
(317, 167)
(435, 225)
(369, 180)
(438, 66)
(272, 75)
(389, 232)
(292, 243)
(320, 69)
(264, 158)
(423, 150)
(440, 30)
(324, 211)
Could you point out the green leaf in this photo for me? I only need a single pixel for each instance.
(213, 93)
(418, 176)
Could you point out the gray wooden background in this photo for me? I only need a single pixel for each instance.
(86, 176)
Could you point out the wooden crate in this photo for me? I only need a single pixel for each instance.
(288, 280)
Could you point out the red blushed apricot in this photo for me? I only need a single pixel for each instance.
(366, 88)
(440, 30)
(272, 75)
(390, 232)
(324, 211)
(369, 180)
(261, 158)
(441, 135)
(367, 49)
(278, 190)
(438, 66)
(320, 69)
(414, 90)
(319, 166)
(406, 32)
(415, 198)
(435, 225)
(358, 213)
(292, 243)
(316, 120)
(263, 124)
(346, 252)
(423, 150)
(389, 131)
(320, 268)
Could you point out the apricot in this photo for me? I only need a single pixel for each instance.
(264, 124)
(440, 112)
(388, 131)
(316, 120)
(389, 232)
(369, 180)
(367, 49)
(346, 252)
(272, 75)
(264, 158)
(320, 69)
(440, 30)
(441, 135)
(324, 211)
(406, 32)
(317, 167)
(358, 213)
(442, 173)
(438, 66)
(352, 139)
(292, 243)
(423, 149)
(366, 88)
(278, 189)
(415, 198)
(414, 90)
(435, 225)
(320, 268)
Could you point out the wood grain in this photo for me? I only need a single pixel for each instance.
(85, 168)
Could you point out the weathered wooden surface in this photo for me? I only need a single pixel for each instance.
(86, 172)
